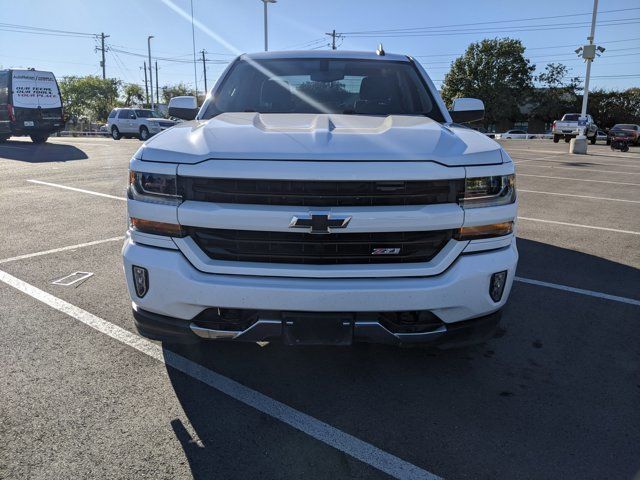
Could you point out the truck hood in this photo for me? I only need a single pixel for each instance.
(255, 136)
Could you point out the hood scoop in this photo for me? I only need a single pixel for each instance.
(336, 123)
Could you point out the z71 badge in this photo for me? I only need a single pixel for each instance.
(385, 251)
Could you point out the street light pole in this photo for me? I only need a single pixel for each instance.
(266, 26)
(195, 65)
(150, 71)
(588, 52)
(585, 97)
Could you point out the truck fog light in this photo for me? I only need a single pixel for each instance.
(140, 280)
(496, 287)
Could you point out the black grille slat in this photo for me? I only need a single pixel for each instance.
(320, 193)
(306, 248)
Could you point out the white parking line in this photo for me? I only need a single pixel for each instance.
(579, 225)
(81, 190)
(583, 169)
(579, 196)
(580, 291)
(578, 179)
(556, 152)
(61, 249)
(546, 159)
(358, 449)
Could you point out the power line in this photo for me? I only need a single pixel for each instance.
(165, 59)
(519, 28)
(491, 22)
(47, 34)
(306, 44)
(531, 48)
(35, 30)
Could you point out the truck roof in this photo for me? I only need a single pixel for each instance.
(344, 54)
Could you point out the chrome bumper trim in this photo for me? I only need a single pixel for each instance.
(364, 331)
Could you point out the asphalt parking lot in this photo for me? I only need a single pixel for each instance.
(555, 394)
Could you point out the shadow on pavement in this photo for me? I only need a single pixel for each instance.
(553, 394)
(47, 152)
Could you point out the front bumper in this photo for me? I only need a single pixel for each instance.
(179, 292)
(455, 335)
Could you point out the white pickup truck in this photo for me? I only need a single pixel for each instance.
(571, 125)
(321, 198)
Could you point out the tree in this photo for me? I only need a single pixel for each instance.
(178, 90)
(610, 107)
(89, 96)
(495, 71)
(556, 95)
(133, 94)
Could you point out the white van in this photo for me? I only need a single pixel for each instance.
(30, 105)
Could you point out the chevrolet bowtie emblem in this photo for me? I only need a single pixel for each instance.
(319, 222)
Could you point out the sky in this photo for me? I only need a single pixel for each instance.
(434, 32)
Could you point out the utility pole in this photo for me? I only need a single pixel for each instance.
(150, 67)
(266, 24)
(157, 86)
(333, 36)
(103, 63)
(204, 68)
(146, 86)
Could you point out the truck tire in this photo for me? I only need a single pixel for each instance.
(115, 133)
(608, 140)
(39, 139)
(556, 138)
(144, 134)
(567, 139)
(593, 140)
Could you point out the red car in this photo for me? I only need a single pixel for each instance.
(632, 132)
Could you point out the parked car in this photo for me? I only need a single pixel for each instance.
(513, 134)
(620, 130)
(30, 105)
(570, 127)
(136, 122)
(601, 135)
(321, 198)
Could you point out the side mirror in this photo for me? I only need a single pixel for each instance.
(185, 108)
(466, 110)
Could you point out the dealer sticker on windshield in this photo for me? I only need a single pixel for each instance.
(28, 124)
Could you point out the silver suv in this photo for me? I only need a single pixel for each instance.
(136, 122)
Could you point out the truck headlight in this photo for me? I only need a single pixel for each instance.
(154, 188)
(489, 191)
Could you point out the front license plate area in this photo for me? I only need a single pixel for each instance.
(317, 328)
(28, 123)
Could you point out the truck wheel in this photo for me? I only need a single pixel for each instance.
(115, 133)
(556, 138)
(593, 140)
(38, 139)
(567, 139)
(624, 148)
(608, 141)
(144, 133)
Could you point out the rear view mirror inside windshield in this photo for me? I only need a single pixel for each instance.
(327, 76)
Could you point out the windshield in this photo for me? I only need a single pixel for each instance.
(623, 126)
(358, 87)
(147, 114)
(571, 117)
